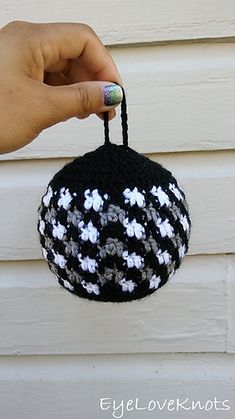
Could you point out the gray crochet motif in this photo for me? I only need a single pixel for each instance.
(112, 247)
(113, 215)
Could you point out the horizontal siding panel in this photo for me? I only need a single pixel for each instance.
(121, 22)
(207, 178)
(180, 97)
(189, 314)
(60, 387)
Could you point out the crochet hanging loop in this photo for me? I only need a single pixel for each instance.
(123, 121)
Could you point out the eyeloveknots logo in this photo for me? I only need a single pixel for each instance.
(119, 408)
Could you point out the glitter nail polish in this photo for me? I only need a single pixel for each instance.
(112, 95)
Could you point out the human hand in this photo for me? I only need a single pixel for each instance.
(50, 72)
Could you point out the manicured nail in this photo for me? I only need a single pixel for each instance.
(112, 95)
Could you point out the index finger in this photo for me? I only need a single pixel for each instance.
(63, 41)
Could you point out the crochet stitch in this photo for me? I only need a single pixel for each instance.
(113, 224)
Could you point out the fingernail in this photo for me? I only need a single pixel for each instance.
(112, 95)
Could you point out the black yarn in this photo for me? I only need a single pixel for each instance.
(106, 128)
(123, 121)
(114, 225)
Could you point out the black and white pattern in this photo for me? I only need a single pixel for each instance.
(114, 242)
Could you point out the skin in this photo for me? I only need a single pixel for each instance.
(50, 72)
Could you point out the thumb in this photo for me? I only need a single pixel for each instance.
(81, 99)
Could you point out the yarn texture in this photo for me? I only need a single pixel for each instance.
(114, 225)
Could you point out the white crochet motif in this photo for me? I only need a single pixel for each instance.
(127, 285)
(154, 282)
(163, 257)
(87, 264)
(59, 259)
(134, 197)
(65, 199)
(93, 199)
(184, 222)
(44, 252)
(47, 197)
(175, 191)
(91, 288)
(58, 231)
(161, 195)
(133, 260)
(42, 226)
(133, 228)
(89, 232)
(165, 228)
(182, 251)
(67, 284)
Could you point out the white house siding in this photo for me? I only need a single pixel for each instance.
(60, 354)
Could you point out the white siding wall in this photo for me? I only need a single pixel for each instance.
(177, 60)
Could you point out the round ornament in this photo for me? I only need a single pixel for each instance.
(113, 224)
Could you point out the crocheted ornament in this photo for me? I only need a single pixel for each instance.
(114, 225)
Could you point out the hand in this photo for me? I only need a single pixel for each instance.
(49, 73)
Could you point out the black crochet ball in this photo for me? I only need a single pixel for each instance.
(113, 225)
